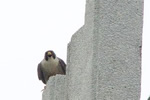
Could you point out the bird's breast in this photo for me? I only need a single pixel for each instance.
(50, 66)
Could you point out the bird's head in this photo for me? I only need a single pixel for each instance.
(49, 54)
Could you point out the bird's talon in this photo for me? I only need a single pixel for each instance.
(43, 89)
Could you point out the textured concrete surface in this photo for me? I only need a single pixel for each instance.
(55, 88)
(104, 56)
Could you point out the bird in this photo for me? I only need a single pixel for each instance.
(50, 66)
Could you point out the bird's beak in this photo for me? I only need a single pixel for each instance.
(49, 54)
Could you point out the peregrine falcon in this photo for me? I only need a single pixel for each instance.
(50, 66)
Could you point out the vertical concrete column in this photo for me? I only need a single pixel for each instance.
(105, 54)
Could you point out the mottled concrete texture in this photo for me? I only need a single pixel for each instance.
(55, 88)
(104, 56)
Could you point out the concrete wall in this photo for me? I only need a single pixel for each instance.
(104, 56)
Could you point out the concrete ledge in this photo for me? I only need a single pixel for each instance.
(55, 88)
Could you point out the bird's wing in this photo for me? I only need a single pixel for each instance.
(63, 65)
(40, 73)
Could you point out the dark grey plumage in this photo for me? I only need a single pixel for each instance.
(49, 66)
